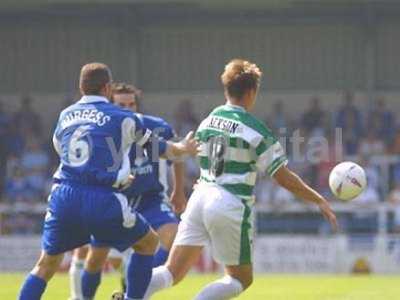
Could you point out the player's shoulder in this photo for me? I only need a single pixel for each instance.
(247, 119)
(259, 126)
(155, 122)
(158, 126)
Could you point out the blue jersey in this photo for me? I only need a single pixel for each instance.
(150, 171)
(93, 139)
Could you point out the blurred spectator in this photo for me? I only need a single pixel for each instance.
(394, 199)
(327, 163)
(348, 118)
(35, 162)
(278, 119)
(395, 145)
(297, 153)
(22, 223)
(365, 218)
(371, 144)
(4, 124)
(348, 108)
(26, 119)
(395, 150)
(281, 197)
(314, 118)
(185, 118)
(371, 171)
(18, 189)
(382, 120)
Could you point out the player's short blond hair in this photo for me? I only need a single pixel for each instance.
(239, 77)
(93, 78)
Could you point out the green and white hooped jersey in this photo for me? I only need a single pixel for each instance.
(234, 147)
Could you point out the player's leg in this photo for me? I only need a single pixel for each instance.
(117, 260)
(119, 227)
(62, 231)
(36, 282)
(163, 220)
(75, 272)
(167, 235)
(235, 281)
(139, 267)
(179, 262)
(188, 244)
(91, 275)
(228, 222)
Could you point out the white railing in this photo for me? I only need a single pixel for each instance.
(383, 210)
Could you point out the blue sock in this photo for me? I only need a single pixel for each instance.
(90, 282)
(139, 272)
(160, 257)
(33, 288)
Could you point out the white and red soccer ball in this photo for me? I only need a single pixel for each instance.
(347, 180)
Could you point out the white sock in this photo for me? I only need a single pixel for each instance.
(222, 289)
(161, 279)
(75, 275)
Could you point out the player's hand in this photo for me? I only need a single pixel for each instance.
(328, 213)
(127, 183)
(190, 145)
(178, 202)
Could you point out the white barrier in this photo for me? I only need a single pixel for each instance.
(272, 254)
(338, 254)
(18, 253)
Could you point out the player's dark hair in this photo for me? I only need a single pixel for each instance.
(93, 78)
(239, 77)
(118, 88)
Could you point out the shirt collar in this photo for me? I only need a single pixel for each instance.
(233, 106)
(92, 99)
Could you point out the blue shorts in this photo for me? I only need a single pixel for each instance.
(78, 215)
(157, 212)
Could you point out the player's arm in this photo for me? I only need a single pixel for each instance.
(272, 159)
(178, 197)
(176, 150)
(293, 183)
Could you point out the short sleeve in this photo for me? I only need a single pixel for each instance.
(146, 138)
(270, 156)
(167, 133)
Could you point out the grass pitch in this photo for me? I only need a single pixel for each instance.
(274, 287)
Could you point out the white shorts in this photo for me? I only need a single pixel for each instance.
(216, 217)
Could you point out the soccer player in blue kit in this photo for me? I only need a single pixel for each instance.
(93, 138)
(147, 194)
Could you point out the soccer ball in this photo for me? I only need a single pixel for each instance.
(347, 180)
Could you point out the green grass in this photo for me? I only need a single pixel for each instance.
(274, 287)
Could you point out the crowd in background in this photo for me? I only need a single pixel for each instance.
(362, 134)
(27, 162)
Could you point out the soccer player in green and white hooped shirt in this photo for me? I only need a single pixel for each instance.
(234, 147)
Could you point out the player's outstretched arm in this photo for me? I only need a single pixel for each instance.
(187, 146)
(178, 197)
(293, 183)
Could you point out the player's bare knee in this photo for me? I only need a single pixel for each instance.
(93, 264)
(81, 252)
(96, 259)
(47, 266)
(167, 235)
(148, 244)
(115, 263)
